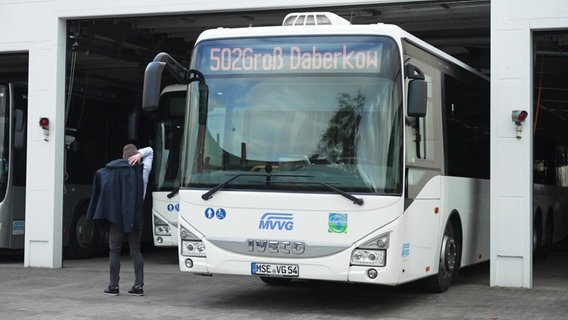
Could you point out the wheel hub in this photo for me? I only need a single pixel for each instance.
(449, 254)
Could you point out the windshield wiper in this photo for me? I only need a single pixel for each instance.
(349, 196)
(209, 194)
(173, 193)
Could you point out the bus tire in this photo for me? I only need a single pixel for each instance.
(84, 235)
(276, 281)
(549, 231)
(547, 236)
(537, 236)
(450, 255)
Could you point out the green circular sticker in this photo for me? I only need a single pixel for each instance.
(337, 223)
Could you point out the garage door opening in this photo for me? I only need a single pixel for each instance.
(106, 59)
(550, 158)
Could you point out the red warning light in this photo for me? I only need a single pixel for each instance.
(44, 123)
(519, 116)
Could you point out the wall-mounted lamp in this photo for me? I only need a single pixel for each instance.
(44, 124)
(518, 117)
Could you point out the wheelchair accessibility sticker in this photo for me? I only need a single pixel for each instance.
(173, 207)
(211, 213)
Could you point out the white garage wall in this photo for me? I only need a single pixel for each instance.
(512, 24)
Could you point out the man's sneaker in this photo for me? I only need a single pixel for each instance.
(136, 291)
(113, 291)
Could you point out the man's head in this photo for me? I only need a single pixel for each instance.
(129, 150)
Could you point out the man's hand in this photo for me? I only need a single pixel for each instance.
(135, 159)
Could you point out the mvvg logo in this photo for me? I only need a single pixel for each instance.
(276, 221)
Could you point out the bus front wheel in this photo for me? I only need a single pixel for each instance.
(449, 262)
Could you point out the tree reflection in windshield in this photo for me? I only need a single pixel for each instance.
(338, 141)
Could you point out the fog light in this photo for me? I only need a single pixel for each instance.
(372, 273)
(188, 263)
(159, 240)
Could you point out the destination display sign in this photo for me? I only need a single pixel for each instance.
(239, 57)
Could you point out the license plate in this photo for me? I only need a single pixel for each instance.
(275, 270)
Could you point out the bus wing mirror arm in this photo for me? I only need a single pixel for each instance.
(153, 78)
(181, 74)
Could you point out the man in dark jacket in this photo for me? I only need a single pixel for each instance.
(117, 203)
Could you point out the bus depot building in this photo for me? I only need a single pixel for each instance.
(83, 64)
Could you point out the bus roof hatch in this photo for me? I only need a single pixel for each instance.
(313, 19)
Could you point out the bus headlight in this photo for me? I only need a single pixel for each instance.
(162, 231)
(372, 253)
(191, 245)
(380, 242)
(161, 228)
(190, 248)
(367, 257)
(185, 234)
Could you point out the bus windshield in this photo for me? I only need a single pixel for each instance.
(169, 129)
(295, 113)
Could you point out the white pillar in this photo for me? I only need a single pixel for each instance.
(511, 157)
(44, 187)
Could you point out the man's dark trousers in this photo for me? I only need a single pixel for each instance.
(115, 239)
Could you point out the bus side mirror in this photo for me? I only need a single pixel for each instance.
(417, 98)
(152, 82)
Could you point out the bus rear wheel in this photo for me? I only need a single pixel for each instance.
(449, 262)
(537, 238)
(84, 236)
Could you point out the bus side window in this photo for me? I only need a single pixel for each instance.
(19, 130)
(467, 128)
(19, 162)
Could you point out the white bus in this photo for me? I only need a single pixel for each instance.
(13, 114)
(169, 130)
(550, 176)
(324, 150)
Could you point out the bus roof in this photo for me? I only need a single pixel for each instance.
(389, 30)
